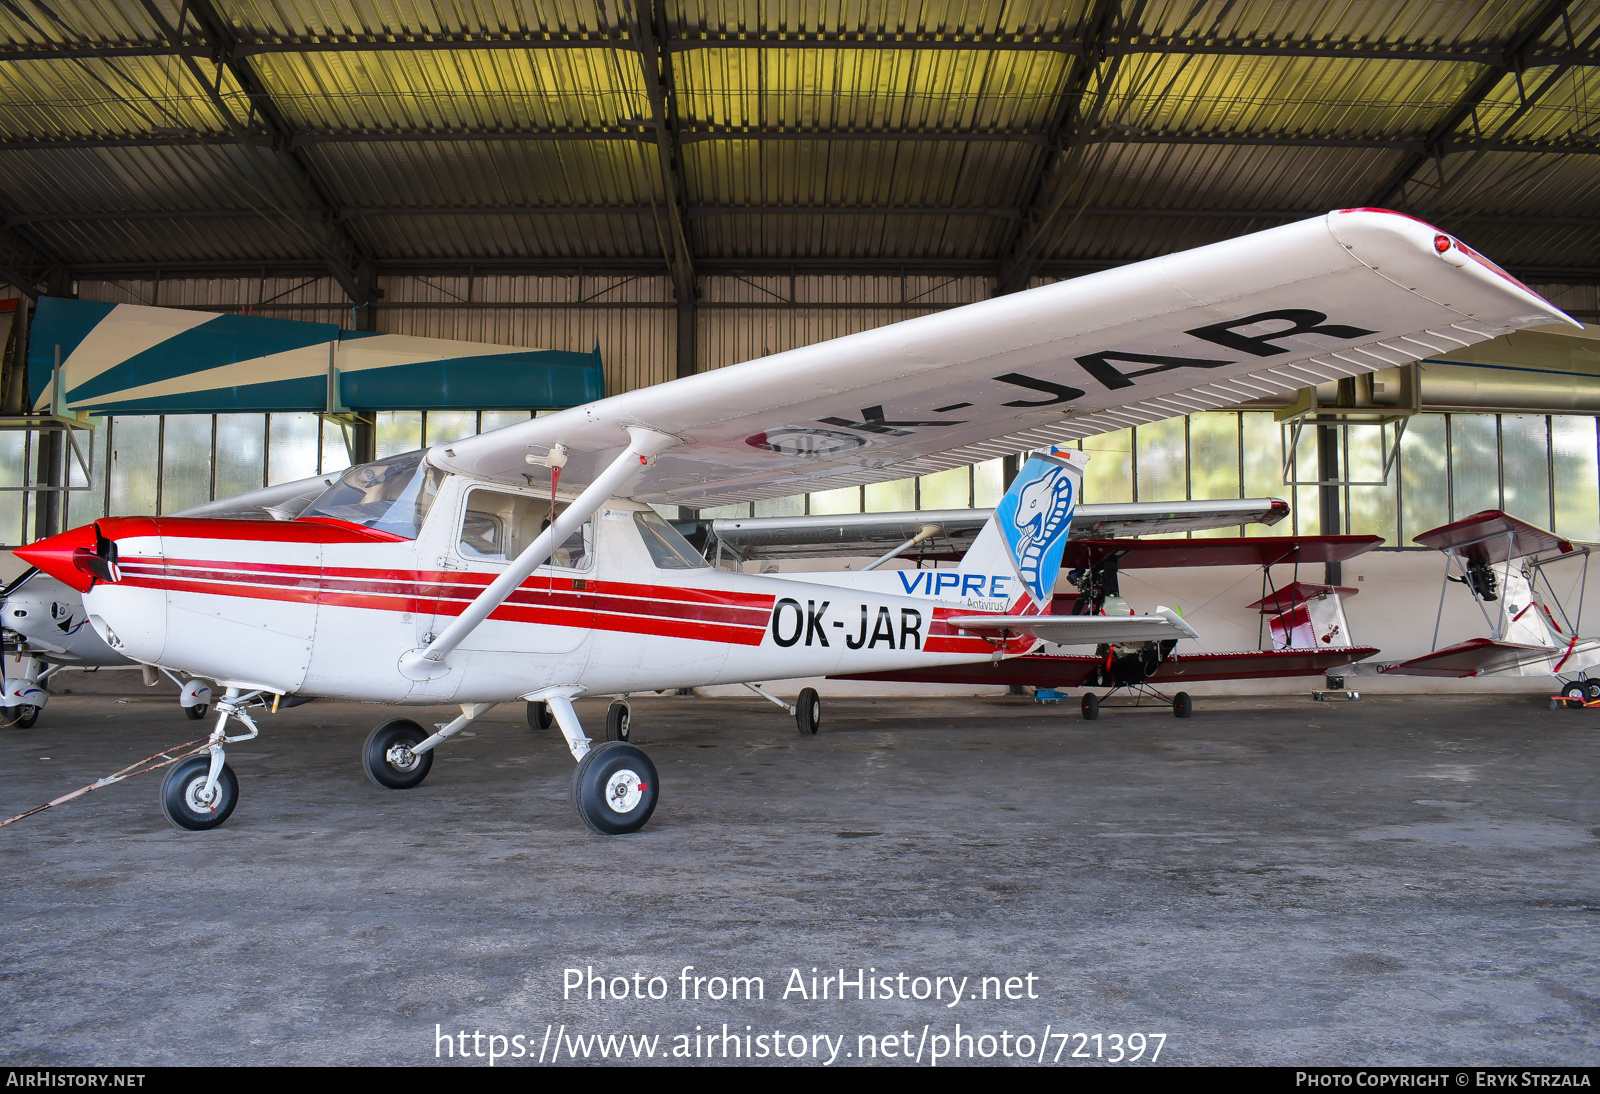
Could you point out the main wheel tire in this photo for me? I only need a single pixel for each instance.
(1182, 705)
(540, 716)
(1574, 693)
(1591, 690)
(385, 771)
(808, 712)
(181, 789)
(618, 717)
(1090, 706)
(614, 788)
(196, 712)
(24, 718)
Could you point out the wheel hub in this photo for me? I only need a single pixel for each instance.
(195, 797)
(624, 790)
(401, 758)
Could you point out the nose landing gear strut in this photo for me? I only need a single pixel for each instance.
(200, 792)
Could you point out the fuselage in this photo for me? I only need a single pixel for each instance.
(324, 608)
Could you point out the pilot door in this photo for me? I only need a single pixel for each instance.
(548, 613)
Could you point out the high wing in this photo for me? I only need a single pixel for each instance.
(1492, 537)
(1475, 657)
(1334, 296)
(1081, 630)
(872, 533)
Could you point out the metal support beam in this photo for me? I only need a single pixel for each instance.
(1046, 192)
(1465, 109)
(673, 221)
(1332, 523)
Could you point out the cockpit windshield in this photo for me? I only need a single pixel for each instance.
(392, 495)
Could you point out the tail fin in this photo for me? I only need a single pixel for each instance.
(1027, 534)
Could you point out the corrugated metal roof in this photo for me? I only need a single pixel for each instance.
(408, 131)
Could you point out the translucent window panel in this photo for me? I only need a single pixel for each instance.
(1371, 510)
(898, 496)
(792, 506)
(450, 425)
(13, 458)
(185, 462)
(988, 483)
(497, 419)
(1474, 464)
(1577, 481)
(1306, 520)
(84, 506)
(134, 460)
(1213, 456)
(950, 489)
(1525, 467)
(1424, 485)
(1108, 476)
(1263, 467)
(726, 512)
(335, 451)
(846, 499)
(398, 431)
(241, 445)
(1163, 461)
(292, 447)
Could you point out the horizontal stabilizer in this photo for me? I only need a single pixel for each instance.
(1082, 630)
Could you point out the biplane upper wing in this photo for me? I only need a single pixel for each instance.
(1081, 630)
(871, 533)
(1474, 657)
(1492, 537)
(1334, 296)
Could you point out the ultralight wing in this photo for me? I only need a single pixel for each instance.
(1265, 314)
(285, 501)
(1232, 551)
(1081, 630)
(1474, 657)
(1492, 537)
(870, 533)
(1047, 671)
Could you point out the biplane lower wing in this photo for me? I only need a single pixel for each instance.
(1042, 671)
(1080, 630)
(1478, 657)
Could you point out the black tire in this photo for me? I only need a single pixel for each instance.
(1182, 705)
(1574, 693)
(808, 712)
(618, 719)
(1591, 690)
(375, 755)
(540, 716)
(197, 712)
(615, 772)
(24, 718)
(1090, 706)
(182, 784)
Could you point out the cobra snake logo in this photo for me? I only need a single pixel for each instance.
(1044, 509)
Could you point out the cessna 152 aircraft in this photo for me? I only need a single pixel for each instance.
(432, 578)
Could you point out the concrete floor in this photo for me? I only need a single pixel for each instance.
(1276, 881)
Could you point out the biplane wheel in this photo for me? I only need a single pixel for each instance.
(181, 790)
(1091, 706)
(540, 716)
(808, 712)
(1591, 690)
(614, 788)
(388, 758)
(195, 713)
(618, 717)
(1575, 693)
(1182, 705)
(24, 718)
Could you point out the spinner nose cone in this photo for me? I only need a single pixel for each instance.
(58, 556)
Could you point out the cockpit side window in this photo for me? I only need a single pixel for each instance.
(497, 527)
(392, 495)
(668, 549)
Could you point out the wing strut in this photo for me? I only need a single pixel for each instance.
(425, 664)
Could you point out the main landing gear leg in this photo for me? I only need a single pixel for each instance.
(615, 787)
(200, 792)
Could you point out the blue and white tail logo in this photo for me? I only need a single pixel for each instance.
(1035, 516)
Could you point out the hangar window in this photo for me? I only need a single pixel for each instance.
(497, 527)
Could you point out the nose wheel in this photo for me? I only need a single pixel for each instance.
(614, 788)
(187, 801)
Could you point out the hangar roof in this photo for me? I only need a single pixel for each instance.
(1013, 140)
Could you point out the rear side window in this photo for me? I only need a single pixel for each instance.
(668, 550)
(497, 527)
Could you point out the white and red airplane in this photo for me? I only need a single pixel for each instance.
(433, 578)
